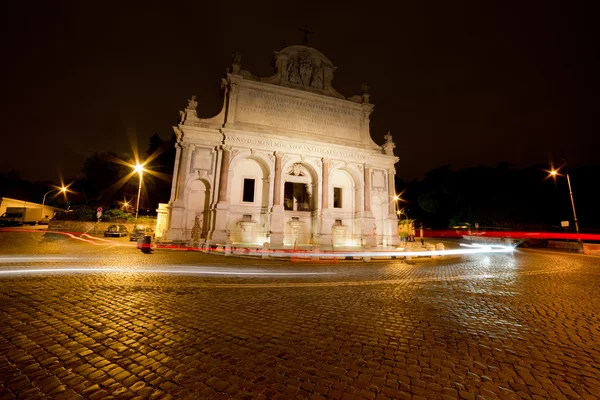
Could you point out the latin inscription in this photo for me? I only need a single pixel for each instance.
(278, 111)
(297, 147)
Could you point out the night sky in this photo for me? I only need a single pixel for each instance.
(461, 83)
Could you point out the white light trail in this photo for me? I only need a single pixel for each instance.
(475, 250)
(193, 271)
(33, 259)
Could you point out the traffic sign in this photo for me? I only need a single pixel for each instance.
(564, 224)
(99, 209)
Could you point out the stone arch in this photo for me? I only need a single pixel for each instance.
(197, 197)
(261, 159)
(313, 178)
(266, 176)
(357, 180)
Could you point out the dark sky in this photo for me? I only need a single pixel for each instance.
(461, 83)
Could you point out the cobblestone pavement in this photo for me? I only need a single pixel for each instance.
(509, 326)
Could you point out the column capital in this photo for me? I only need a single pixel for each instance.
(326, 160)
(278, 154)
(226, 147)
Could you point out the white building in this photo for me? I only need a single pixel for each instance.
(287, 160)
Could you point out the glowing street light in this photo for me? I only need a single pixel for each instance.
(396, 200)
(139, 168)
(60, 189)
(554, 173)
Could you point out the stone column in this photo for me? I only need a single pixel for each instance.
(277, 187)
(277, 220)
(175, 172)
(177, 210)
(221, 216)
(183, 170)
(368, 239)
(367, 189)
(224, 176)
(393, 218)
(392, 192)
(326, 223)
(325, 189)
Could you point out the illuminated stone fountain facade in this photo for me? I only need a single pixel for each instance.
(288, 160)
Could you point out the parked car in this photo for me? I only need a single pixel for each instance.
(533, 242)
(139, 232)
(116, 230)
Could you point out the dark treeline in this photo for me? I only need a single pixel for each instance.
(104, 181)
(503, 197)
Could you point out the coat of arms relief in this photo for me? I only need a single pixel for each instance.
(304, 71)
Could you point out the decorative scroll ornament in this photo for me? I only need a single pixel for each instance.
(297, 170)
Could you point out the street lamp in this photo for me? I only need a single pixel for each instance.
(554, 173)
(139, 168)
(61, 189)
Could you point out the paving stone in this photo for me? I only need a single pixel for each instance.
(495, 326)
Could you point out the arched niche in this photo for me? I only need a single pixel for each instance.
(249, 184)
(198, 199)
(299, 191)
(343, 192)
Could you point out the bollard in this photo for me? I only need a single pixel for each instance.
(265, 250)
(227, 248)
(147, 245)
(206, 246)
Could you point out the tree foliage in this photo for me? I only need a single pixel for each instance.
(502, 197)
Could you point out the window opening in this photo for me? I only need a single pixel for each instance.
(248, 193)
(337, 197)
(295, 197)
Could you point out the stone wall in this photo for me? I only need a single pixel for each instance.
(92, 228)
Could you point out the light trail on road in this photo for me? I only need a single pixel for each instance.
(192, 270)
(12, 259)
(475, 249)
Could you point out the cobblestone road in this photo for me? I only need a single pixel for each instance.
(509, 326)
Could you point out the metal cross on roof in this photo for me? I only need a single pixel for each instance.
(306, 33)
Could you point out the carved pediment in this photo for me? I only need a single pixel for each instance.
(304, 68)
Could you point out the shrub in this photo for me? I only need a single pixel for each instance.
(116, 216)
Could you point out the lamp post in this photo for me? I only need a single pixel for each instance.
(139, 168)
(61, 189)
(555, 173)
